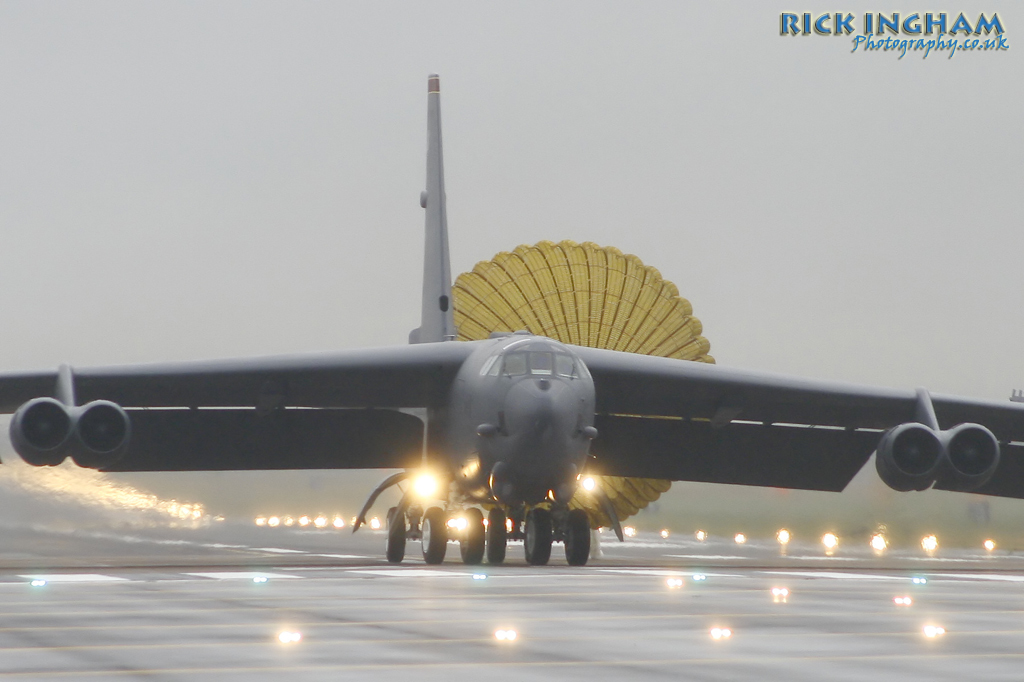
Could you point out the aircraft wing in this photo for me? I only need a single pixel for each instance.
(666, 418)
(285, 412)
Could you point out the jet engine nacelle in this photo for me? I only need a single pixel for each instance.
(913, 457)
(44, 432)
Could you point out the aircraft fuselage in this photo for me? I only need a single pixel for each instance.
(518, 423)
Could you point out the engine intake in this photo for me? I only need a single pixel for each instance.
(972, 457)
(45, 432)
(908, 457)
(41, 432)
(103, 430)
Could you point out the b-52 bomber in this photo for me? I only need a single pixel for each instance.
(510, 425)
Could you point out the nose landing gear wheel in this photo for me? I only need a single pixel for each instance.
(497, 536)
(577, 538)
(472, 544)
(435, 535)
(538, 537)
(395, 549)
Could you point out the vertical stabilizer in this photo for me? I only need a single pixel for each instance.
(437, 322)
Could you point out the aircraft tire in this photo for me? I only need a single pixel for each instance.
(577, 538)
(395, 549)
(538, 537)
(471, 546)
(435, 535)
(497, 536)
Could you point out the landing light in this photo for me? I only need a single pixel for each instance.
(929, 543)
(721, 633)
(780, 595)
(479, 576)
(259, 579)
(38, 582)
(588, 483)
(505, 635)
(699, 576)
(674, 582)
(288, 637)
(375, 523)
(508, 525)
(740, 538)
(459, 523)
(830, 541)
(989, 545)
(783, 536)
(665, 533)
(878, 542)
(425, 485)
(920, 581)
(933, 631)
(902, 601)
(701, 536)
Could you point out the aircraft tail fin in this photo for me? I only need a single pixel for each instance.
(437, 322)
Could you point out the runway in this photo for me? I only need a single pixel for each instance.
(177, 604)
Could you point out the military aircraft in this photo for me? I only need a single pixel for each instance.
(513, 424)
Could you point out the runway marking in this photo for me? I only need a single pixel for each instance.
(277, 550)
(666, 571)
(409, 572)
(840, 575)
(341, 556)
(242, 575)
(289, 670)
(75, 578)
(980, 576)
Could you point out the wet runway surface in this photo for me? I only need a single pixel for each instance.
(216, 603)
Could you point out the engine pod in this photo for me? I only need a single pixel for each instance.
(909, 456)
(970, 458)
(41, 432)
(102, 432)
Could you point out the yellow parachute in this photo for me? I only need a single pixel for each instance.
(587, 295)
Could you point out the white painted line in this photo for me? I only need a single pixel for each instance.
(678, 572)
(277, 550)
(981, 576)
(241, 575)
(341, 556)
(717, 557)
(838, 575)
(74, 578)
(411, 573)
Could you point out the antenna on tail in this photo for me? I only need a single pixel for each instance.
(437, 322)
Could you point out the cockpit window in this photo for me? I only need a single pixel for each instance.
(515, 364)
(538, 363)
(564, 366)
(541, 363)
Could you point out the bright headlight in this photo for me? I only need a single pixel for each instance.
(425, 485)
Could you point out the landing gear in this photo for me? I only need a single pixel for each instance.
(434, 539)
(395, 550)
(471, 544)
(577, 537)
(538, 537)
(497, 536)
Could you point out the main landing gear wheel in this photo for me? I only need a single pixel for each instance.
(472, 543)
(435, 535)
(396, 536)
(497, 536)
(577, 538)
(538, 537)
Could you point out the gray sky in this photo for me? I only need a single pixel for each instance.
(192, 179)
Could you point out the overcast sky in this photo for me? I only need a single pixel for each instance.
(187, 180)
